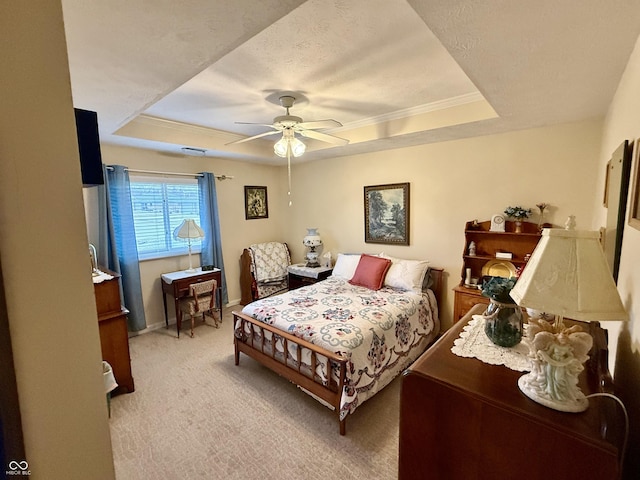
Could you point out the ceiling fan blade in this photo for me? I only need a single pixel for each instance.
(325, 137)
(253, 138)
(320, 124)
(251, 123)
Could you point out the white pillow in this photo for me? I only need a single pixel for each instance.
(345, 266)
(406, 274)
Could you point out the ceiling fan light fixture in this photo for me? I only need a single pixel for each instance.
(297, 147)
(280, 147)
(289, 125)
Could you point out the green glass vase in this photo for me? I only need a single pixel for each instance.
(503, 323)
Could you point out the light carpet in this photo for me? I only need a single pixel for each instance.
(194, 414)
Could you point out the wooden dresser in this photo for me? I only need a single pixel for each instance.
(114, 336)
(464, 419)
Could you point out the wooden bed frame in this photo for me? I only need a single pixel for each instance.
(257, 347)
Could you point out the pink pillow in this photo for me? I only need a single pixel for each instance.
(370, 272)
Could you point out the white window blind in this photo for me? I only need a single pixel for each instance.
(159, 206)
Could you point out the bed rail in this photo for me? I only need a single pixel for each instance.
(250, 339)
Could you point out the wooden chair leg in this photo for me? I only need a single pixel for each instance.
(212, 314)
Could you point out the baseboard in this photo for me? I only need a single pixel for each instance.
(172, 322)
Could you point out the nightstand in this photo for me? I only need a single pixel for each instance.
(299, 275)
(461, 418)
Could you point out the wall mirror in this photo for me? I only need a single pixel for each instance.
(634, 213)
(616, 192)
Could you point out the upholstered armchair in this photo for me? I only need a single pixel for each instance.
(263, 270)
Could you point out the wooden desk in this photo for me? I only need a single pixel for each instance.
(177, 284)
(461, 418)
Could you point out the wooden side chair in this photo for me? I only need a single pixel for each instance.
(202, 301)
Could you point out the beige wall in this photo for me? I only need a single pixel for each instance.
(451, 183)
(49, 294)
(623, 123)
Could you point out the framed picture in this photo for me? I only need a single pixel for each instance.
(386, 214)
(255, 202)
(634, 213)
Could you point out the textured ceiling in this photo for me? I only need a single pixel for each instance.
(395, 73)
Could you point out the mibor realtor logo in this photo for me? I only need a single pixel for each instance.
(15, 467)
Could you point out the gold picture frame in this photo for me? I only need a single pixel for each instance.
(386, 214)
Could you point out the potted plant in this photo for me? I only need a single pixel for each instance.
(503, 317)
(518, 214)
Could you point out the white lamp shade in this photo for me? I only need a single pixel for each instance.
(568, 275)
(312, 241)
(188, 229)
(280, 147)
(297, 147)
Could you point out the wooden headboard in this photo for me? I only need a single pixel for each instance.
(437, 277)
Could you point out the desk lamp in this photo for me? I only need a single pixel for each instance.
(567, 276)
(189, 230)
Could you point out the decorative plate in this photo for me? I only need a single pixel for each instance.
(499, 268)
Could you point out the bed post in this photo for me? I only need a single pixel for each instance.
(246, 278)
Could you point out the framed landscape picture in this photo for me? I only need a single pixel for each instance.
(386, 214)
(255, 202)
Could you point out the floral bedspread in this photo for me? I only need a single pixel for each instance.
(381, 332)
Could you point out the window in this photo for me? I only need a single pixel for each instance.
(159, 207)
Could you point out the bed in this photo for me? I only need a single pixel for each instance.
(343, 339)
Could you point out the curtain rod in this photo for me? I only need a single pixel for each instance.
(154, 172)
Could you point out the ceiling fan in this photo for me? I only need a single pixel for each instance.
(289, 125)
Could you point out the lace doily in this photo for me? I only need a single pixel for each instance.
(474, 343)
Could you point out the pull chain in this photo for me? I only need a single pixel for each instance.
(289, 172)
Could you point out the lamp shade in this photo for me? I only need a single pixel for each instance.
(568, 276)
(188, 229)
(280, 147)
(297, 147)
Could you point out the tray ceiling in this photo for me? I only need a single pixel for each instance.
(395, 73)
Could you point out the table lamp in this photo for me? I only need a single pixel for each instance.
(312, 240)
(189, 230)
(567, 276)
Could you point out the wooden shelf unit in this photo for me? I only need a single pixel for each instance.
(114, 335)
(487, 245)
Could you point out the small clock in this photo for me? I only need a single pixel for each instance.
(497, 223)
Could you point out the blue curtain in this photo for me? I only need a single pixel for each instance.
(211, 253)
(117, 248)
